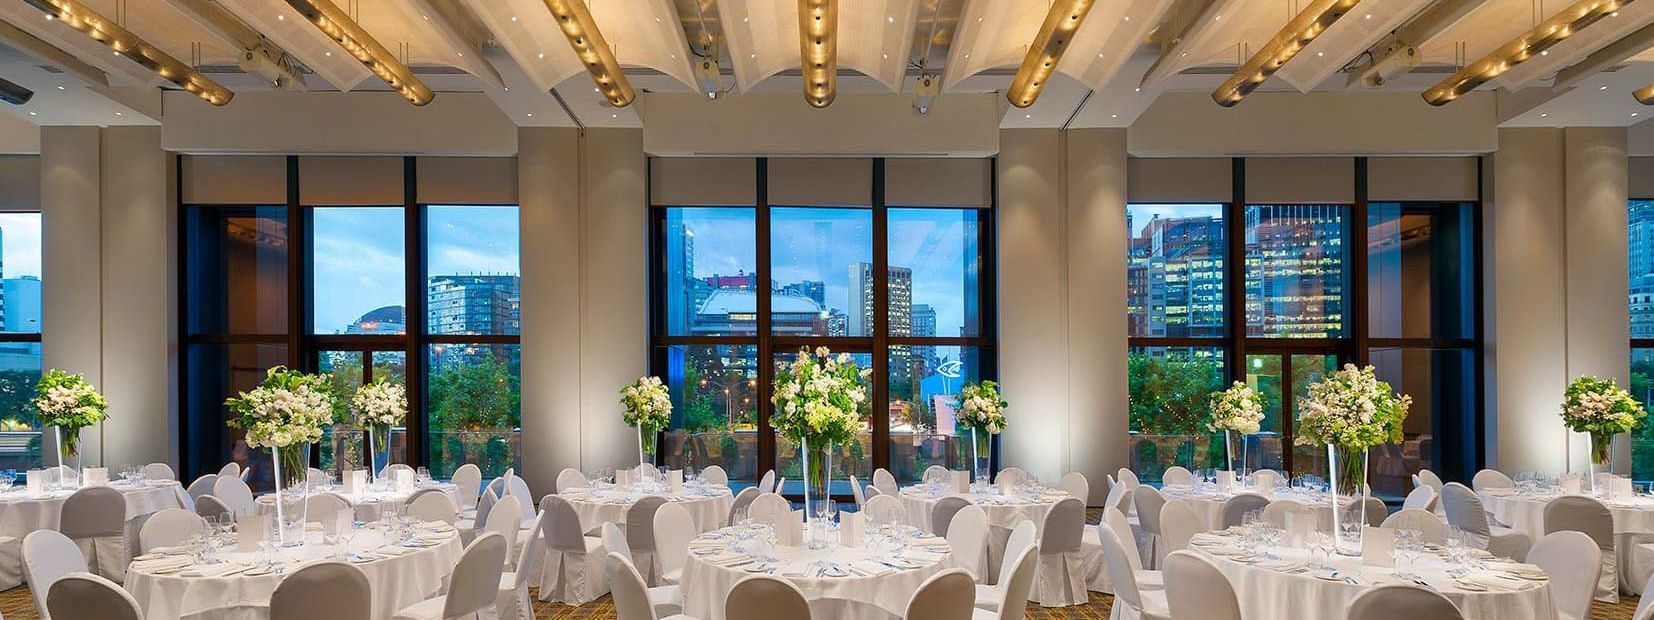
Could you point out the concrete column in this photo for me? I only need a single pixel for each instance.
(548, 185)
(71, 291)
(1097, 349)
(615, 290)
(1599, 331)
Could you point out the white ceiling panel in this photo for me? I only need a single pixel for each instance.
(1576, 47)
(284, 25)
(994, 34)
(874, 38)
(165, 27)
(1489, 26)
(643, 33)
(1352, 34)
(527, 31)
(121, 71)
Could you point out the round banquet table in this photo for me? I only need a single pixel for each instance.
(368, 503)
(1633, 524)
(171, 587)
(1004, 513)
(1208, 502)
(1287, 588)
(707, 506)
(22, 512)
(862, 588)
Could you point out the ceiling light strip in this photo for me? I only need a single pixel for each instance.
(338, 26)
(576, 22)
(1309, 24)
(124, 43)
(1548, 33)
(1061, 22)
(818, 50)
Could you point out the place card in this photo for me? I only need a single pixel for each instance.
(1601, 480)
(249, 532)
(849, 529)
(1378, 546)
(1621, 488)
(790, 532)
(1226, 481)
(97, 476)
(355, 481)
(35, 481)
(623, 477)
(961, 482)
(1299, 523)
(1570, 484)
(674, 481)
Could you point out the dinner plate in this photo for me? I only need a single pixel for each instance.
(257, 571)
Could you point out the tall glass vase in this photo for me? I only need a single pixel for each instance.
(1348, 468)
(979, 455)
(68, 455)
(1602, 461)
(1229, 449)
(290, 463)
(379, 441)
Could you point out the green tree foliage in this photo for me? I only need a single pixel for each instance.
(1169, 394)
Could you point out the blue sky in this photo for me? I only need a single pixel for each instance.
(1142, 214)
(20, 244)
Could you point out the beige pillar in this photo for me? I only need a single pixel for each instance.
(1599, 331)
(1096, 231)
(548, 182)
(614, 283)
(71, 291)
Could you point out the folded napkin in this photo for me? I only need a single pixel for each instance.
(1283, 565)
(164, 564)
(213, 570)
(873, 569)
(433, 537)
(1493, 582)
(726, 558)
(393, 550)
(913, 555)
(158, 552)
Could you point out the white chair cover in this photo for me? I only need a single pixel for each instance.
(1127, 477)
(95, 518)
(473, 586)
(885, 481)
(936, 473)
(945, 596)
(640, 532)
(670, 532)
(780, 485)
(1115, 492)
(1130, 603)
(1392, 601)
(1115, 521)
(1075, 485)
(1427, 523)
(467, 487)
(1275, 513)
(885, 508)
(1022, 539)
(855, 492)
(84, 595)
(1061, 578)
(743, 500)
(159, 471)
(968, 538)
(210, 507)
(571, 478)
(1464, 510)
(715, 475)
(1265, 478)
(1430, 479)
(573, 569)
(433, 505)
(767, 483)
(322, 591)
(503, 520)
(202, 486)
(1585, 514)
(1178, 524)
(47, 557)
(231, 469)
(1235, 508)
(872, 491)
(389, 471)
(941, 515)
(1645, 606)
(1177, 476)
(320, 507)
(314, 477)
(1420, 498)
(614, 540)
(762, 597)
(525, 498)
(667, 599)
(235, 494)
(1574, 563)
(169, 528)
(1011, 476)
(1491, 479)
(1149, 501)
(1196, 588)
(1014, 604)
(631, 595)
(512, 602)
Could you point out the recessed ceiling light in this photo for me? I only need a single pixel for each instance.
(1114, 116)
(513, 18)
(33, 113)
(1099, 54)
(1544, 114)
(746, 19)
(330, 54)
(462, 54)
(1217, 18)
(426, 17)
(1603, 87)
(657, 20)
(1318, 54)
(1128, 18)
(967, 56)
(595, 90)
(1137, 90)
(1027, 116)
(60, 88)
(49, 17)
(119, 114)
(1369, 16)
(531, 115)
(891, 19)
(508, 89)
(1544, 52)
(281, 18)
(886, 56)
(754, 55)
(674, 56)
(614, 116)
(978, 20)
(117, 53)
(1183, 55)
(1614, 14)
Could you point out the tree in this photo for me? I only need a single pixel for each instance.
(1169, 395)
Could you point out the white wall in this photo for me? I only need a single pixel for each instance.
(1599, 332)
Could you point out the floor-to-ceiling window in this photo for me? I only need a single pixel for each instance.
(1640, 295)
(20, 310)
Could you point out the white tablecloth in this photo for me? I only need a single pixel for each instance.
(706, 586)
(1266, 593)
(21, 512)
(1633, 524)
(709, 509)
(368, 504)
(395, 582)
(1208, 503)
(1004, 513)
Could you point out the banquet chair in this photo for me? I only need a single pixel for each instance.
(1580, 513)
(762, 597)
(1645, 606)
(715, 476)
(1075, 485)
(472, 587)
(84, 595)
(571, 478)
(511, 601)
(474, 524)
(1574, 562)
(1061, 581)
(246, 472)
(95, 518)
(1149, 502)
(1023, 537)
(885, 481)
(1275, 513)
(885, 508)
(1399, 600)
(1011, 476)
(322, 591)
(1265, 478)
(321, 507)
(941, 515)
(767, 483)
(389, 472)
(855, 492)
(1015, 582)
(872, 491)
(1118, 496)
(1427, 523)
(1197, 590)
(518, 488)
(631, 596)
(742, 500)
(640, 531)
(235, 494)
(1115, 521)
(47, 557)
(666, 599)
(433, 505)
(210, 507)
(503, 521)
(314, 477)
(231, 469)
(573, 569)
(1420, 498)
(1464, 510)
(1130, 602)
(1374, 511)
(1491, 479)
(169, 528)
(467, 487)
(1235, 508)
(770, 508)
(936, 473)
(1177, 475)
(202, 486)
(968, 538)
(61, 475)
(1430, 479)
(944, 596)
(670, 531)
(1178, 525)
(159, 471)
(1127, 477)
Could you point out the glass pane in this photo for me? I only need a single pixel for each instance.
(923, 383)
(855, 459)
(236, 273)
(1295, 271)
(1263, 450)
(1169, 390)
(20, 272)
(1442, 384)
(1307, 369)
(357, 262)
(935, 260)
(1642, 388)
(342, 446)
(217, 372)
(472, 258)
(1174, 270)
(714, 410)
(711, 262)
(822, 263)
(1420, 262)
(474, 402)
(1641, 268)
(19, 431)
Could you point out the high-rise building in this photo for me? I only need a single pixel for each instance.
(382, 320)
(474, 304)
(898, 316)
(735, 311)
(1641, 267)
(812, 289)
(1295, 270)
(680, 268)
(22, 304)
(924, 326)
(1174, 278)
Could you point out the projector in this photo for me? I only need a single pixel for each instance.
(708, 77)
(925, 92)
(259, 61)
(14, 94)
(1395, 59)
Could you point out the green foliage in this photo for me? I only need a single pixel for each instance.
(482, 394)
(1168, 395)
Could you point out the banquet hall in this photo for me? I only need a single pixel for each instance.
(848, 309)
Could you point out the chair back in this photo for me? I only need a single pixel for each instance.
(640, 522)
(1115, 521)
(210, 507)
(1399, 600)
(855, 491)
(742, 500)
(948, 595)
(885, 481)
(235, 494)
(968, 538)
(1196, 588)
(872, 491)
(941, 515)
(1464, 510)
(715, 475)
(94, 512)
(1374, 510)
(525, 498)
(202, 486)
(1430, 479)
(84, 595)
(1235, 508)
(885, 508)
(1265, 478)
(770, 508)
(767, 483)
(1064, 527)
(1014, 604)
(631, 595)
(614, 540)
(1075, 485)
(1127, 477)
(476, 578)
(571, 478)
(1491, 479)
(1581, 514)
(1010, 477)
(1114, 493)
(1424, 521)
(321, 507)
(1148, 501)
(1574, 562)
(781, 485)
(159, 471)
(169, 528)
(231, 469)
(433, 505)
(1422, 497)
(936, 473)
(560, 525)
(389, 471)
(1023, 536)
(1275, 513)
(1117, 561)
(322, 591)
(505, 520)
(670, 532)
(1177, 475)
(314, 477)
(762, 597)
(47, 557)
(1178, 525)
(1645, 606)
(484, 506)
(467, 486)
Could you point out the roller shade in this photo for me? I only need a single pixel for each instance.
(1294, 180)
(1180, 179)
(703, 181)
(350, 180)
(234, 179)
(938, 182)
(467, 180)
(824, 182)
(1422, 178)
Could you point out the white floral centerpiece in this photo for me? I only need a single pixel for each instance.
(1238, 409)
(1350, 412)
(818, 400)
(67, 402)
(648, 408)
(1603, 409)
(982, 410)
(376, 407)
(284, 413)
